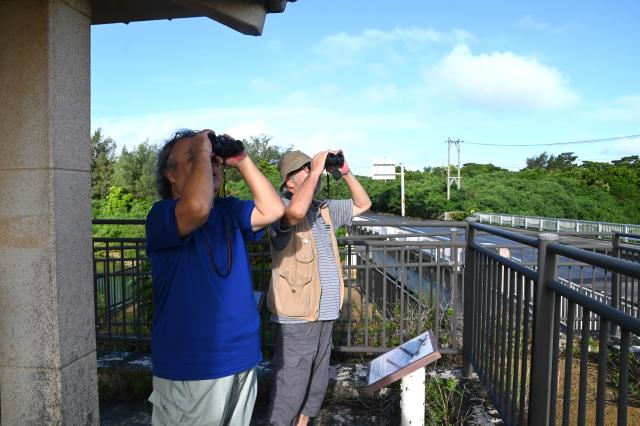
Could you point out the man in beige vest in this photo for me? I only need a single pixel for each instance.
(306, 290)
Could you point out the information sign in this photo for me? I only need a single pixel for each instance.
(402, 360)
(384, 170)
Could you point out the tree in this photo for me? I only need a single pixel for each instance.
(539, 162)
(102, 164)
(266, 158)
(550, 163)
(563, 161)
(259, 149)
(135, 170)
(474, 169)
(632, 161)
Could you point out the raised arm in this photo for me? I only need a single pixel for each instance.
(360, 198)
(269, 206)
(191, 175)
(301, 199)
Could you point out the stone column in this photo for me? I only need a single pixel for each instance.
(47, 336)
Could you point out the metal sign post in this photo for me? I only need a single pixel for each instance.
(406, 362)
(412, 397)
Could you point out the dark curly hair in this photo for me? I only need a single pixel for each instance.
(162, 183)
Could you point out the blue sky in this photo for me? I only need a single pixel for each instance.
(384, 80)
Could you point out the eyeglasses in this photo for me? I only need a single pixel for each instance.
(306, 168)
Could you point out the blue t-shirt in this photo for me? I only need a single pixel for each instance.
(205, 322)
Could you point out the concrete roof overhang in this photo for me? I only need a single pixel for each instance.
(245, 16)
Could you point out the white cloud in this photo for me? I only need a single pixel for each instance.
(625, 108)
(297, 122)
(343, 43)
(621, 148)
(531, 23)
(500, 79)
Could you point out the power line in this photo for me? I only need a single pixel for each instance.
(435, 149)
(618, 138)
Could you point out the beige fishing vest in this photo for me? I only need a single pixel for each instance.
(294, 290)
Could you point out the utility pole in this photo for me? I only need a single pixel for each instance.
(450, 179)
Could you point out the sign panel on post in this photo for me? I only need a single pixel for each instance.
(403, 360)
(384, 170)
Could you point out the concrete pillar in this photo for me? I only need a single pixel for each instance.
(47, 336)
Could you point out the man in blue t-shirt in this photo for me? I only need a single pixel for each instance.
(205, 339)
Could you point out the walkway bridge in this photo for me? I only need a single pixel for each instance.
(549, 322)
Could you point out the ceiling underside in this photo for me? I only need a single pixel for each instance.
(246, 16)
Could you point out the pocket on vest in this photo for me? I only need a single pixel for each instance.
(292, 295)
(304, 250)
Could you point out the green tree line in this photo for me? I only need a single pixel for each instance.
(549, 186)
(123, 185)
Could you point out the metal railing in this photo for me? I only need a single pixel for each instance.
(399, 284)
(538, 223)
(520, 324)
(394, 289)
(521, 344)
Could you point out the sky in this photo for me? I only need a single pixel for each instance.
(384, 81)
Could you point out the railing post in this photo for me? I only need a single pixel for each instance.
(615, 281)
(468, 298)
(542, 339)
(453, 280)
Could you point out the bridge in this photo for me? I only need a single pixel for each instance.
(549, 322)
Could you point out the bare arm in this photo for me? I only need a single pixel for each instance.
(196, 196)
(297, 208)
(360, 198)
(269, 206)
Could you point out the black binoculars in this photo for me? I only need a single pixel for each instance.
(225, 146)
(333, 163)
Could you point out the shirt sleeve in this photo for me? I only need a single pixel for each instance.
(341, 212)
(162, 227)
(278, 233)
(243, 210)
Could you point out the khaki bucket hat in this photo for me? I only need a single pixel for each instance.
(290, 162)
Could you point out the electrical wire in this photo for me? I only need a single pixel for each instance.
(435, 149)
(618, 138)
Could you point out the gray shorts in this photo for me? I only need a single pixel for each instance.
(301, 370)
(225, 401)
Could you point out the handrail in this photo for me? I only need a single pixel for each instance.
(625, 321)
(596, 259)
(518, 267)
(523, 239)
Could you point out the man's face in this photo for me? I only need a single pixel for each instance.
(296, 179)
(180, 164)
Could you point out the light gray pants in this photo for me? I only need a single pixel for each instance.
(225, 401)
(301, 370)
